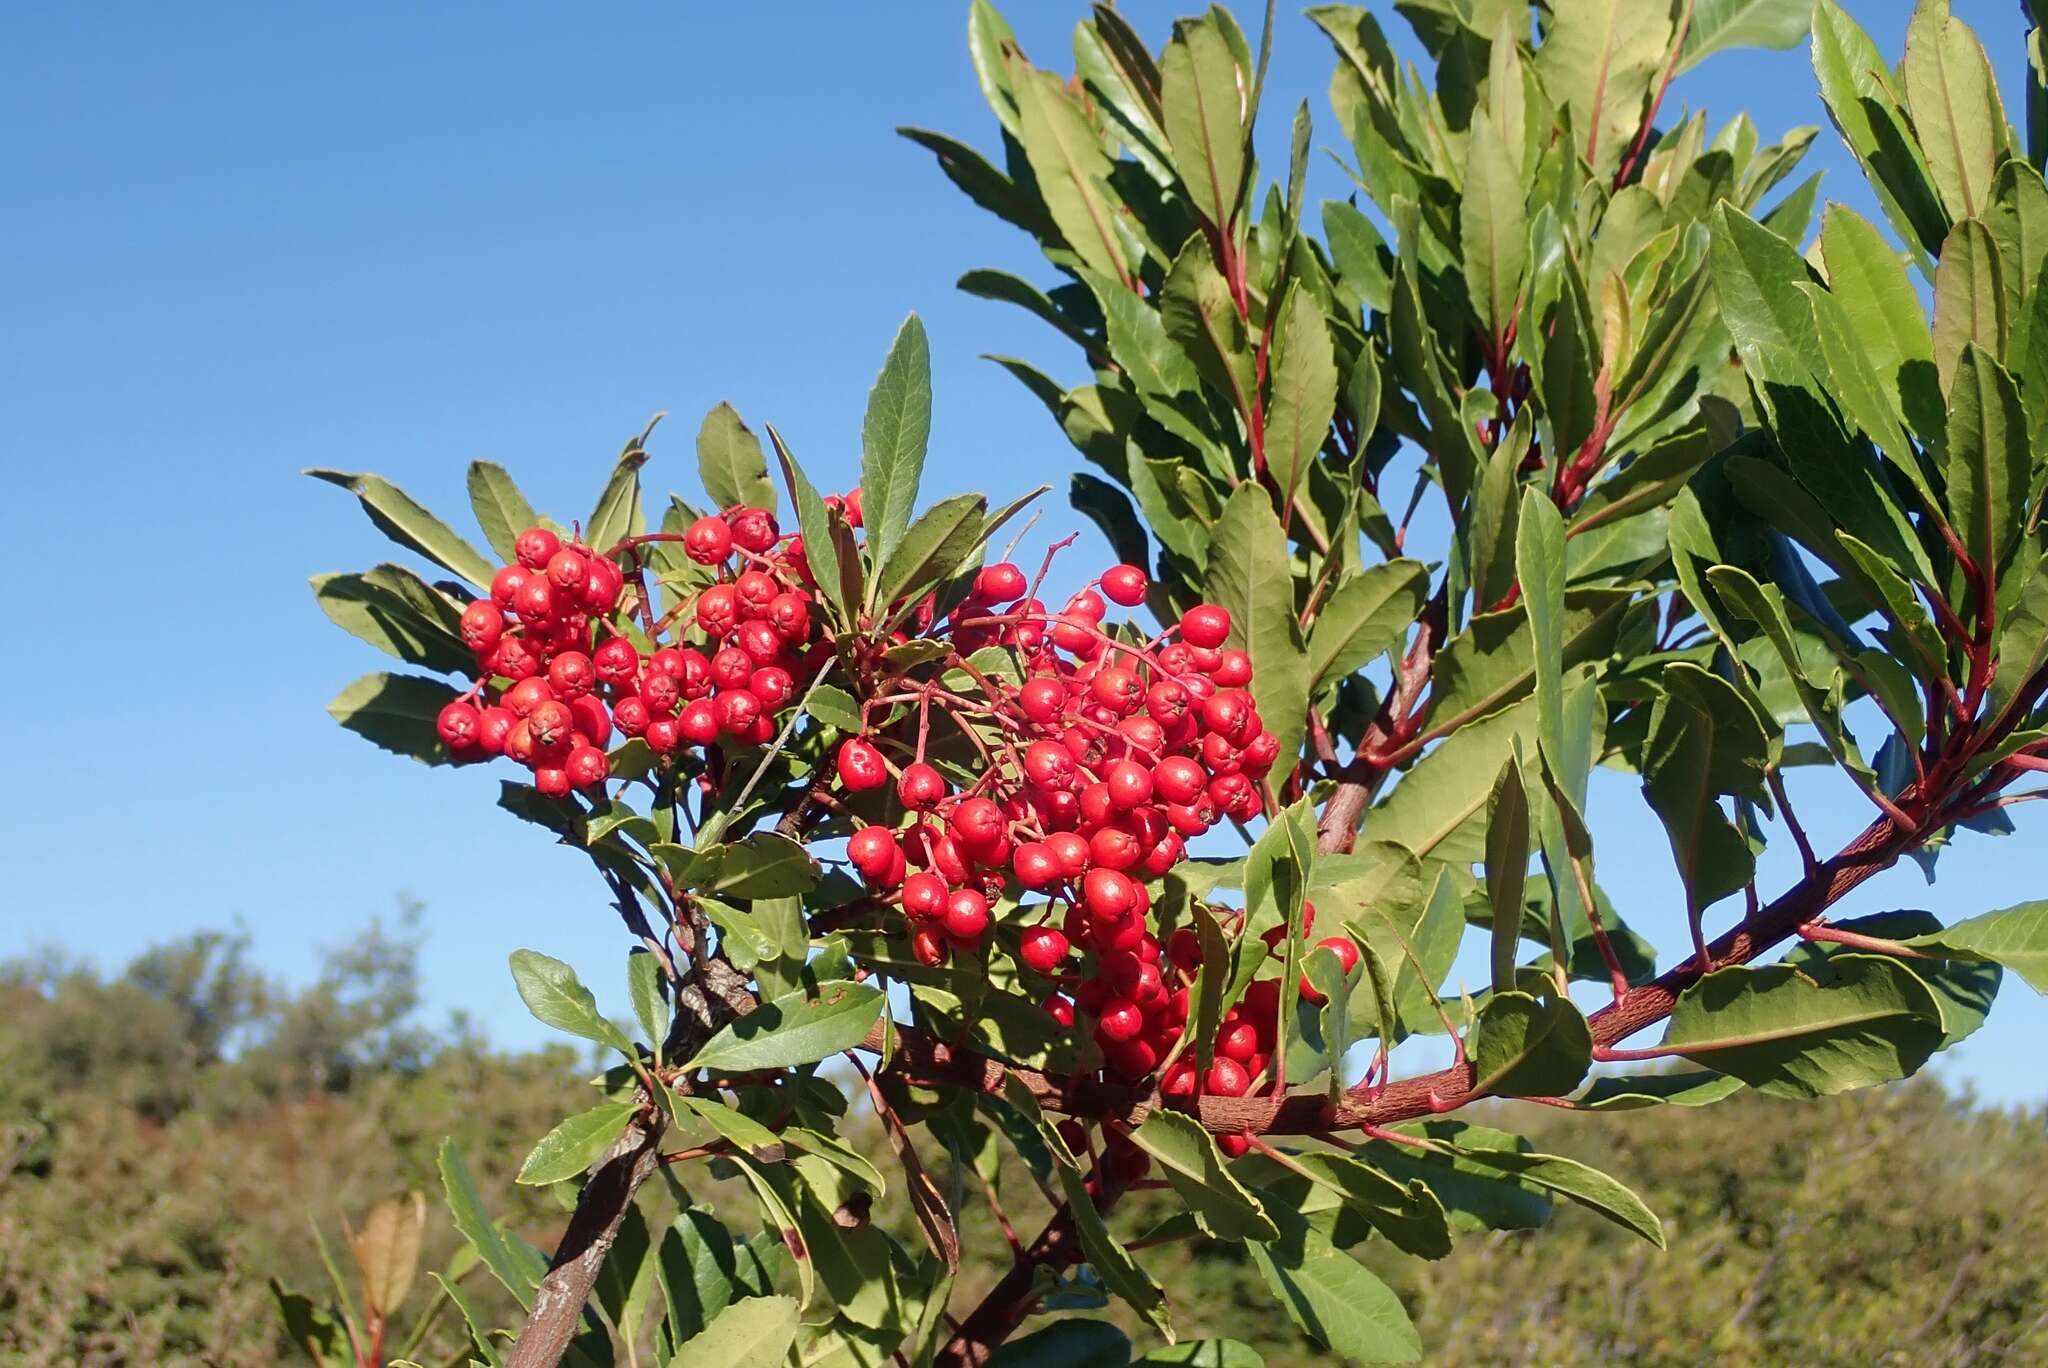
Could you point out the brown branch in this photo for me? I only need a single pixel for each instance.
(1011, 1299)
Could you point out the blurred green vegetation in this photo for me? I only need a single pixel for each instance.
(167, 1134)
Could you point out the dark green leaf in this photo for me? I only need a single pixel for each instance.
(396, 712)
(466, 1208)
(1077, 1343)
(1332, 1297)
(1990, 458)
(1202, 94)
(398, 613)
(1195, 1167)
(1303, 393)
(1525, 1047)
(501, 510)
(403, 520)
(1249, 576)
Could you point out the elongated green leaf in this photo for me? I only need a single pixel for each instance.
(1990, 457)
(1195, 1167)
(1075, 1343)
(1408, 1214)
(1071, 168)
(1493, 226)
(934, 549)
(1434, 810)
(577, 1143)
(1249, 576)
(1718, 25)
(618, 513)
(1366, 615)
(1954, 103)
(2016, 937)
(1303, 395)
(1475, 1196)
(747, 1333)
(1867, 277)
(401, 518)
(1200, 317)
(1494, 661)
(821, 549)
(1332, 1297)
(396, 712)
(1567, 1178)
(1704, 743)
(501, 510)
(1214, 1353)
(895, 434)
(731, 462)
(1969, 299)
(697, 1268)
(466, 1208)
(1599, 58)
(794, 1029)
(557, 998)
(1203, 97)
(1539, 566)
(398, 613)
(1790, 1034)
(643, 986)
(1680, 1088)
(1507, 868)
(1525, 1047)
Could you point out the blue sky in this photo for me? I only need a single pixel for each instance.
(244, 239)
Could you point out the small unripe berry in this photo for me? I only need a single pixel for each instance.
(1205, 626)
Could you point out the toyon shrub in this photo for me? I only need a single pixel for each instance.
(1145, 890)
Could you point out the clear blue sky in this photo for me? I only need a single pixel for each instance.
(246, 239)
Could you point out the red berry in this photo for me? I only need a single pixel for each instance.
(854, 515)
(1036, 866)
(920, 787)
(567, 570)
(860, 765)
(481, 625)
(586, 767)
(505, 585)
(1042, 698)
(773, 686)
(738, 710)
(978, 824)
(659, 692)
(458, 725)
(522, 698)
(1071, 850)
(1239, 1042)
(929, 946)
(717, 611)
(1114, 847)
(616, 662)
(698, 723)
(1120, 1019)
(571, 675)
(790, 615)
(966, 915)
(762, 643)
(552, 781)
(552, 724)
(1059, 1008)
(664, 734)
(753, 529)
(872, 849)
(1227, 1078)
(755, 592)
(1346, 951)
(592, 721)
(1047, 765)
(924, 896)
(1260, 753)
(731, 668)
(1042, 948)
(535, 601)
(1125, 585)
(1129, 784)
(1132, 1059)
(1000, 583)
(1205, 625)
(1107, 894)
(1233, 1146)
(494, 724)
(1089, 605)
(1230, 715)
(535, 547)
(1178, 779)
(601, 587)
(1233, 670)
(708, 540)
(632, 715)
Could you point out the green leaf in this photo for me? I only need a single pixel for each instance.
(794, 1029)
(1599, 57)
(1303, 393)
(1250, 576)
(1539, 567)
(1071, 169)
(1990, 458)
(501, 510)
(1367, 614)
(1195, 1167)
(396, 712)
(1680, 1088)
(1964, 988)
(1790, 1034)
(466, 1209)
(815, 525)
(577, 1143)
(1216, 1353)
(1200, 316)
(1493, 227)
(731, 463)
(1524, 1047)
(398, 613)
(1494, 661)
(696, 1268)
(1475, 1196)
(1867, 277)
(1077, 1343)
(835, 707)
(894, 436)
(557, 998)
(935, 548)
(618, 513)
(1857, 85)
(1332, 1297)
(1202, 96)
(1507, 867)
(1567, 1178)
(1969, 300)
(1954, 102)
(400, 518)
(1432, 810)
(650, 1007)
(748, 1333)
(1704, 743)
(1718, 25)
(2016, 937)
(762, 865)
(1408, 1214)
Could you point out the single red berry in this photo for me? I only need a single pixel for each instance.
(1132, 1059)
(698, 722)
(1107, 894)
(567, 570)
(1239, 1041)
(571, 675)
(1047, 765)
(1089, 605)
(929, 946)
(852, 505)
(1233, 1146)
(659, 692)
(1129, 784)
(458, 725)
(1178, 779)
(1071, 850)
(872, 849)
(552, 781)
(920, 787)
(731, 668)
(632, 715)
(860, 766)
(737, 710)
(753, 529)
(535, 547)
(505, 585)
(924, 896)
(1260, 753)
(708, 540)
(1164, 853)
(1042, 698)
(535, 601)
(616, 661)
(553, 724)
(1118, 689)
(717, 611)
(1179, 1080)
(755, 591)
(1059, 1008)
(762, 643)
(493, 725)
(790, 615)
(664, 734)
(1036, 866)
(1114, 847)
(1042, 948)
(522, 698)
(692, 672)
(1230, 715)
(966, 915)
(593, 723)
(586, 767)
(1120, 1019)
(1227, 1078)
(978, 824)
(1000, 583)
(481, 625)
(773, 686)
(1346, 951)
(1233, 670)
(601, 586)
(1205, 625)
(1124, 585)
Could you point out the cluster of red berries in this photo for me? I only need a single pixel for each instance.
(1113, 753)
(554, 677)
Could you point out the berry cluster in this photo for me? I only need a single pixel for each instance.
(1111, 753)
(555, 676)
